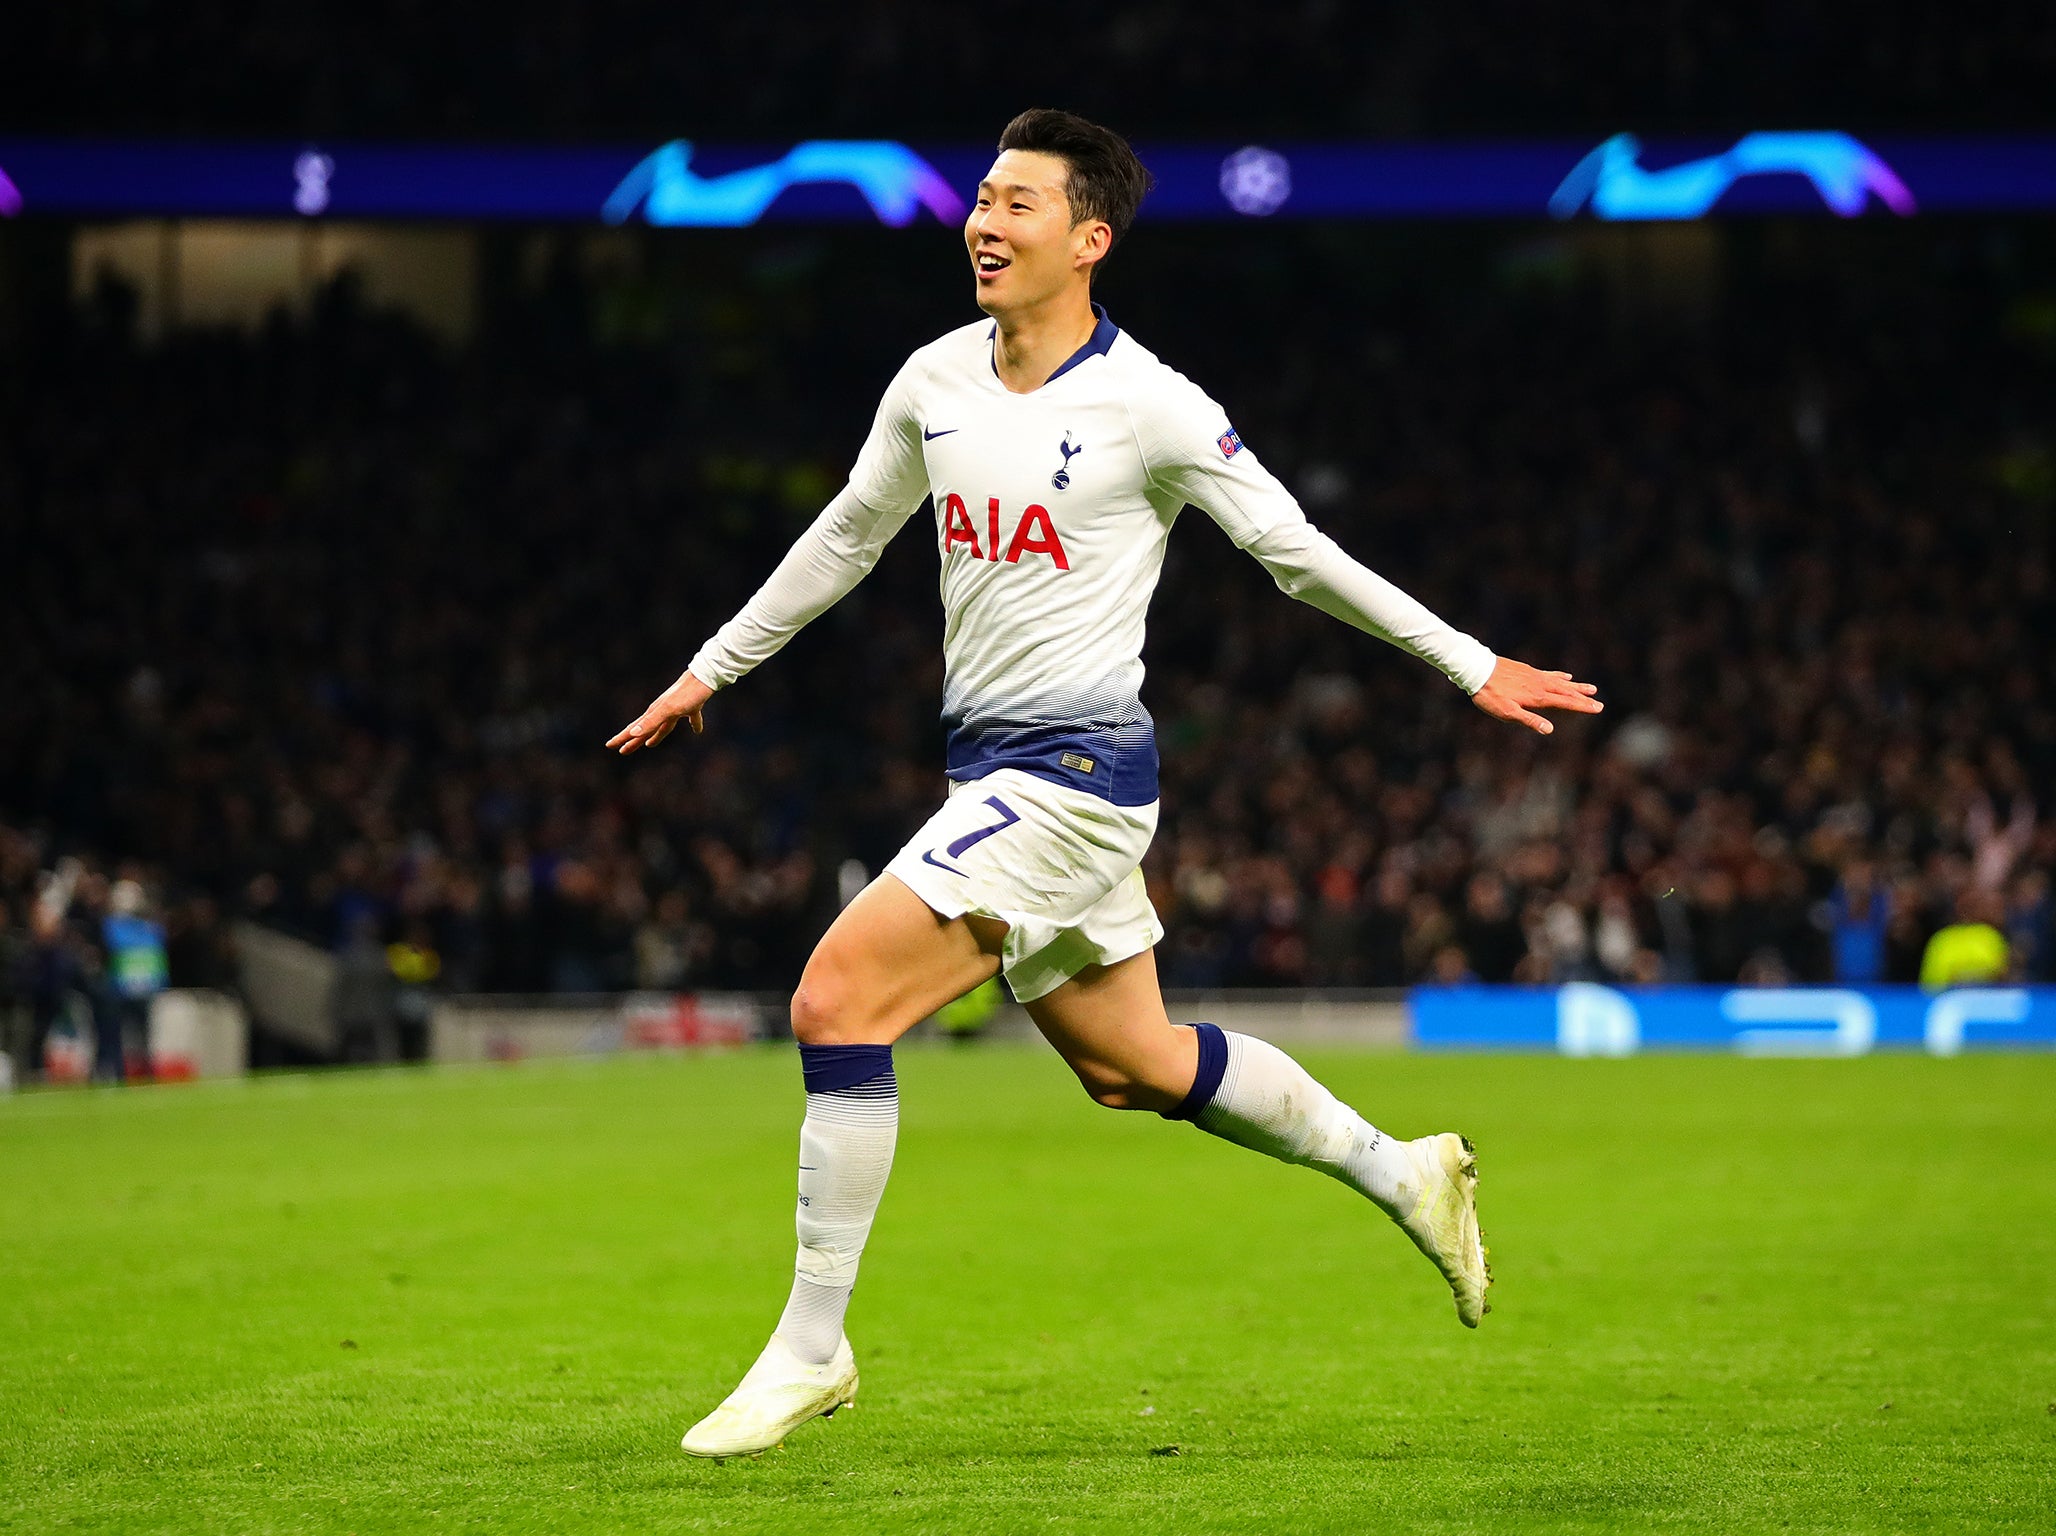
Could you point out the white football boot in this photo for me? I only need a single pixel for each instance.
(779, 1394)
(1444, 1220)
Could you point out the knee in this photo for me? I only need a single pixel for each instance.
(821, 1014)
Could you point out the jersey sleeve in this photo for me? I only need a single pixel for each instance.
(1192, 453)
(838, 549)
(890, 473)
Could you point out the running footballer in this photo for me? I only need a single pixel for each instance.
(1057, 452)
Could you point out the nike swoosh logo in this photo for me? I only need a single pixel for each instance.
(929, 437)
(929, 856)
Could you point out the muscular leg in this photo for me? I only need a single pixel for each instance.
(887, 963)
(884, 965)
(1109, 1023)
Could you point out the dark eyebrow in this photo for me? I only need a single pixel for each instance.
(1012, 186)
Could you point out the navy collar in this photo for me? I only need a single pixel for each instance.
(1096, 345)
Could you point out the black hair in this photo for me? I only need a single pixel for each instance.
(1104, 179)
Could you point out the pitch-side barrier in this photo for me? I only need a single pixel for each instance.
(205, 1034)
(1579, 1019)
(509, 1028)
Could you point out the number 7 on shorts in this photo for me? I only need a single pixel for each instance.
(1009, 816)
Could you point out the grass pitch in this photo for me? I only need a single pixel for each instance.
(1733, 1295)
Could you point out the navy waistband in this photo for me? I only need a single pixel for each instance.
(1118, 764)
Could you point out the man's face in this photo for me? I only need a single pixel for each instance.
(1024, 247)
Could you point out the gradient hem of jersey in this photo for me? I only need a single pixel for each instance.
(1116, 763)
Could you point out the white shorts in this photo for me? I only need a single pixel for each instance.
(1061, 868)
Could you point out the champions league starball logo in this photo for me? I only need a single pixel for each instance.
(1256, 181)
(1614, 185)
(896, 182)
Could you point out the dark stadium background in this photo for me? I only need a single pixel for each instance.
(317, 621)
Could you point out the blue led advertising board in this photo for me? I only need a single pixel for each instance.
(685, 183)
(1587, 1019)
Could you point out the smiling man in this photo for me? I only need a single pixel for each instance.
(1057, 453)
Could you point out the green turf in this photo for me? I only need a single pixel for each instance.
(1734, 1295)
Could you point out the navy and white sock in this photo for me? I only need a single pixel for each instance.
(846, 1145)
(1253, 1094)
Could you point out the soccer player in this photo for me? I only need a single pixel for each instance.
(1057, 452)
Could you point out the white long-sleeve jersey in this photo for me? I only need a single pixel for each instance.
(1052, 510)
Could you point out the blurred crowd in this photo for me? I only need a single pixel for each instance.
(325, 627)
(914, 68)
(83, 950)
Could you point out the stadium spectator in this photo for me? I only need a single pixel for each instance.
(14, 1014)
(669, 946)
(136, 971)
(1972, 951)
(2031, 927)
(1492, 939)
(1859, 915)
(366, 998)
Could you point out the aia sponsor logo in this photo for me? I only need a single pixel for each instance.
(1032, 533)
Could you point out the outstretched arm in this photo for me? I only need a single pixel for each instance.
(833, 555)
(1312, 567)
(1194, 455)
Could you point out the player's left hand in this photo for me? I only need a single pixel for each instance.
(1516, 690)
(683, 700)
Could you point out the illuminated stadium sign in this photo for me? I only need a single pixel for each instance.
(1616, 186)
(892, 179)
(689, 183)
(1588, 1019)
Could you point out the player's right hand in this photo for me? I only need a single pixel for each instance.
(1516, 690)
(683, 700)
